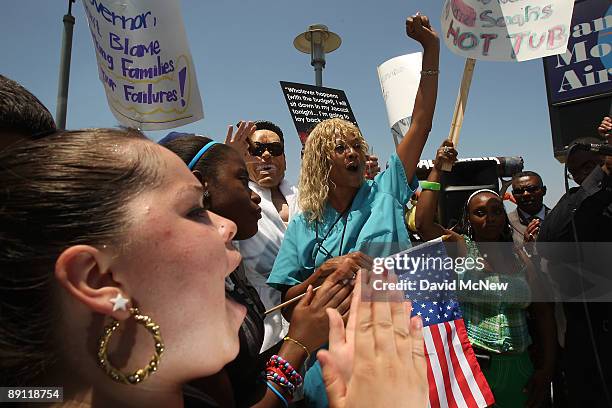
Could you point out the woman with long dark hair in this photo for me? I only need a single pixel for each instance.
(112, 284)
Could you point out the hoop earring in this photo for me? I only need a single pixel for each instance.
(138, 375)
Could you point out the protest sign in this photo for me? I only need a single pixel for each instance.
(144, 62)
(310, 105)
(584, 69)
(506, 30)
(399, 82)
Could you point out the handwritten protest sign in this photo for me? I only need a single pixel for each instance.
(585, 69)
(144, 62)
(399, 81)
(506, 30)
(310, 105)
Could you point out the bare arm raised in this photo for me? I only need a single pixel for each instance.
(409, 150)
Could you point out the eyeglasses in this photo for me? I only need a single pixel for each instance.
(521, 191)
(258, 149)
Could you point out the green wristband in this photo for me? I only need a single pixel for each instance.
(430, 185)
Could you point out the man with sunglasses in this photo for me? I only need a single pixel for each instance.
(574, 242)
(528, 191)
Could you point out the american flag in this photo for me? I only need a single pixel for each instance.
(453, 373)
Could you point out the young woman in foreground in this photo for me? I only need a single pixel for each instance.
(107, 290)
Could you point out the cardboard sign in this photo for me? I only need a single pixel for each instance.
(506, 30)
(310, 105)
(399, 82)
(144, 62)
(585, 69)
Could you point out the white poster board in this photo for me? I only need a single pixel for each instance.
(399, 82)
(144, 62)
(506, 30)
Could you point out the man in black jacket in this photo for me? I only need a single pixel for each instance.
(575, 241)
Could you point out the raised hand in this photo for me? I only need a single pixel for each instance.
(239, 141)
(309, 321)
(445, 154)
(531, 233)
(605, 130)
(388, 366)
(605, 127)
(419, 28)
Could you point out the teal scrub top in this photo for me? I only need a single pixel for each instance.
(373, 225)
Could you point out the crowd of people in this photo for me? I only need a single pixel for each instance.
(201, 241)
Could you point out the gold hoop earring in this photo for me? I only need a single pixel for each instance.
(138, 375)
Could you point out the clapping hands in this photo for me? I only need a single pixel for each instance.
(379, 360)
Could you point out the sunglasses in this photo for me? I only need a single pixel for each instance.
(274, 148)
(521, 191)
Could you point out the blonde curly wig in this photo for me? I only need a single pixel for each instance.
(317, 163)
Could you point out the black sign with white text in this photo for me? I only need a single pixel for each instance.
(310, 105)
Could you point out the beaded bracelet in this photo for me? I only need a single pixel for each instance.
(286, 368)
(281, 380)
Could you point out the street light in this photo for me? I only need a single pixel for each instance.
(317, 41)
(64, 71)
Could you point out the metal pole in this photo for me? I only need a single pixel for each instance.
(317, 56)
(317, 42)
(64, 71)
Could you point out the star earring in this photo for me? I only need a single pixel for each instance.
(119, 302)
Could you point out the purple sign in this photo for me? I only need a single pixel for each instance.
(585, 69)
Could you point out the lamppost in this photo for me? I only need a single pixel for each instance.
(317, 42)
(64, 71)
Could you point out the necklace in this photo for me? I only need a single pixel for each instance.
(320, 246)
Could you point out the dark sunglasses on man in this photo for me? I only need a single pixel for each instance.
(530, 189)
(258, 149)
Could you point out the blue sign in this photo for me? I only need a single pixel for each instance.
(585, 69)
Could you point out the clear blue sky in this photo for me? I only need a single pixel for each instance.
(243, 48)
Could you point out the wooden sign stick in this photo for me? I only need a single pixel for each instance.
(457, 121)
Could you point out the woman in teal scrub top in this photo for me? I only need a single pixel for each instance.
(342, 213)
